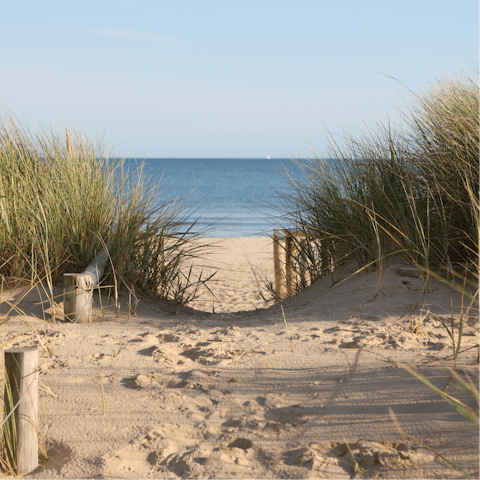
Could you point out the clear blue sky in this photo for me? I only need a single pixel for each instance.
(225, 78)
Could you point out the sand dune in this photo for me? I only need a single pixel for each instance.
(240, 394)
(234, 287)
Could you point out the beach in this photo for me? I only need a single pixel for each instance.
(234, 287)
(234, 387)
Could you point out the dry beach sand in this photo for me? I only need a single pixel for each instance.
(234, 286)
(236, 395)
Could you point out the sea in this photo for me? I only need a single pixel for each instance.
(226, 197)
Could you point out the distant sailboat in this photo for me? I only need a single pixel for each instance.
(268, 157)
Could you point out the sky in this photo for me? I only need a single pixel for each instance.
(231, 79)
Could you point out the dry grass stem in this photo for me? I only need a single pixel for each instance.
(246, 351)
(290, 337)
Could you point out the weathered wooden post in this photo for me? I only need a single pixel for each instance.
(20, 431)
(77, 297)
(78, 290)
(286, 280)
(301, 263)
(289, 259)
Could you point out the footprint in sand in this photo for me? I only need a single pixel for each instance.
(397, 339)
(205, 353)
(412, 333)
(342, 460)
(177, 450)
(188, 380)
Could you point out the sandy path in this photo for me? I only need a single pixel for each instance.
(234, 287)
(236, 395)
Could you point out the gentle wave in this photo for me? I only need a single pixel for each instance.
(234, 196)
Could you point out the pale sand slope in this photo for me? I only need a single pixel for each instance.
(233, 287)
(223, 396)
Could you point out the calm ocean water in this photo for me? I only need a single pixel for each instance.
(232, 194)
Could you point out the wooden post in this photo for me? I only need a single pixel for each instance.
(289, 259)
(20, 431)
(77, 290)
(286, 279)
(301, 264)
(77, 297)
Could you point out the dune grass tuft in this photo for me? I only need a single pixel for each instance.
(64, 197)
(408, 191)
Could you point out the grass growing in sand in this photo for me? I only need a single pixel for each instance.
(408, 191)
(63, 198)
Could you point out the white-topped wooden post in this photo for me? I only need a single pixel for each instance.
(78, 290)
(20, 431)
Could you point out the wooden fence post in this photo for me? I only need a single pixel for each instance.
(77, 297)
(287, 279)
(289, 260)
(78, 293)
(301, 264)
(20, 431)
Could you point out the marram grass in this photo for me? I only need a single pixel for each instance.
(64, 196)
(409, 190)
